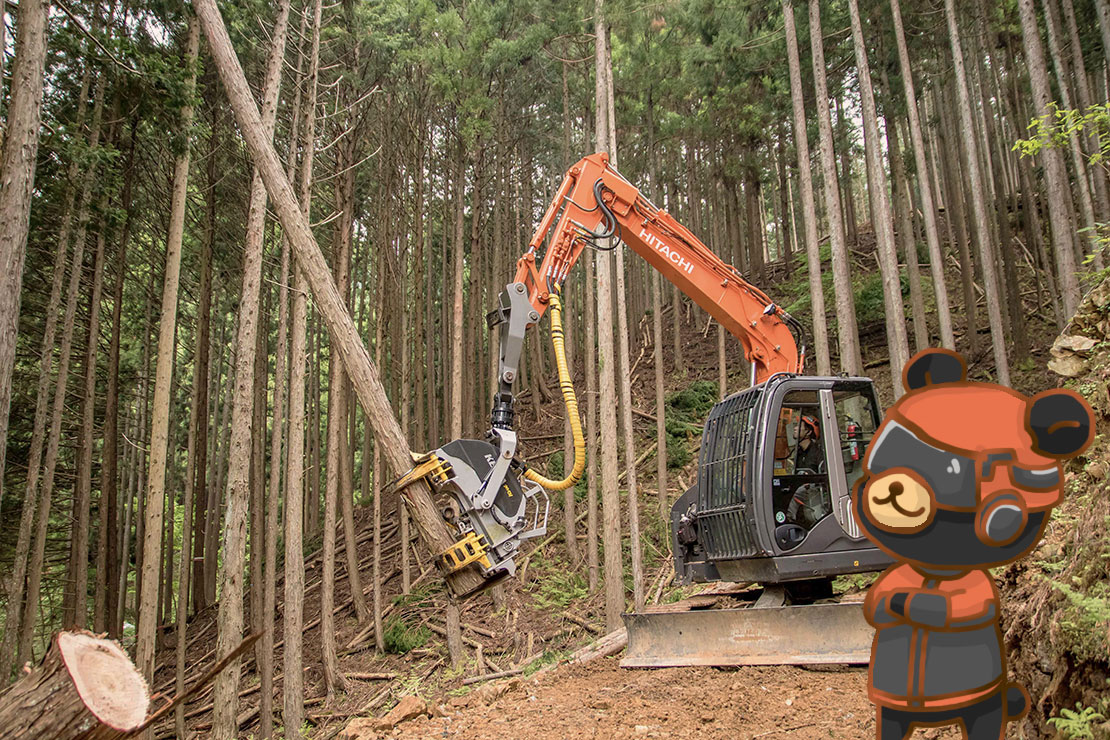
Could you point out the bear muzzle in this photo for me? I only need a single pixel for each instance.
(897, 501)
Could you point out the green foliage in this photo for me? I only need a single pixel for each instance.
(685, 417)
(696, 400)
(853, 582)
(1054, 131)
(402, 633)
(678, 594)
(548, 657)
(556, 588)
(679, 453)
(400, 638)
(1085, 620)
(868, 293)
(1078, 723)
(421, 596)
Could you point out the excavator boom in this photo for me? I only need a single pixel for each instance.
(595, 203)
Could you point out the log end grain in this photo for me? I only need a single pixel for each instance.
(108, 683)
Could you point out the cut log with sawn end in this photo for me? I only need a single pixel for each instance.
(86, 687)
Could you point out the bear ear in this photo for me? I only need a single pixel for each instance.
(1060, 423)
(933, 366)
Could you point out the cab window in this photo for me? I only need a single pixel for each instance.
(800, 480)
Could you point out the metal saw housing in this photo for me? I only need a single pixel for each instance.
(518, 511)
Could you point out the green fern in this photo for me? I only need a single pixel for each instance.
(1077, 724)
(557, 589)
(1085, 618)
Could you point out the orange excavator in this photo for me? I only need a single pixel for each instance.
(770, 507)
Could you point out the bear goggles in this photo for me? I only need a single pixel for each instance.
(951, 476)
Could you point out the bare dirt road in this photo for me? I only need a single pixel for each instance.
(601, 700)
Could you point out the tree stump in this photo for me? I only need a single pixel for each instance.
(85, 687)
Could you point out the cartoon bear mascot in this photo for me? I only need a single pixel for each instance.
(961, 477)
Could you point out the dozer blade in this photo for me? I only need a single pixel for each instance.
(816, 633)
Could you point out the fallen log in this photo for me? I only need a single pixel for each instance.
(85, 687)
(492, 676)
(581, 622)
(610, 644)
(479, 630)
(371, 676)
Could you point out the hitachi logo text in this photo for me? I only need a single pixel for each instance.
(671, 254)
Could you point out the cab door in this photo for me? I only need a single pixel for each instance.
(850, 414)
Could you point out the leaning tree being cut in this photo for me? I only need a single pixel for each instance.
(85, 687)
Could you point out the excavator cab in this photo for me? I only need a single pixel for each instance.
(772, 501)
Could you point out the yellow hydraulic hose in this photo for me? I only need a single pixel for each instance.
(571, 403)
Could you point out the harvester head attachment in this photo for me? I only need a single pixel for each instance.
(490, 524)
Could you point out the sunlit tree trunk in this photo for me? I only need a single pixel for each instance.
(847, 330)
(897, 343)
(952, 186)
(141, 457)
(379, 323)
(293, 601)
(230, 617)
(590, 352)
(607, 398)
(978, 207)
(903, 202)
(1005, 198)
(108, 572)
(846, 181)
(159, 432)
(1102, 9)
(657, 330)
(257, 477)
(17, 179)
(928, 208)
(1084, 96)
(223, 431)
(809, 207)
(1053, 159)
(15, 588)
(266, 666)
(197, 418)
(1089, 236)
(345, 205)
(54, 440)
(78, 565)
